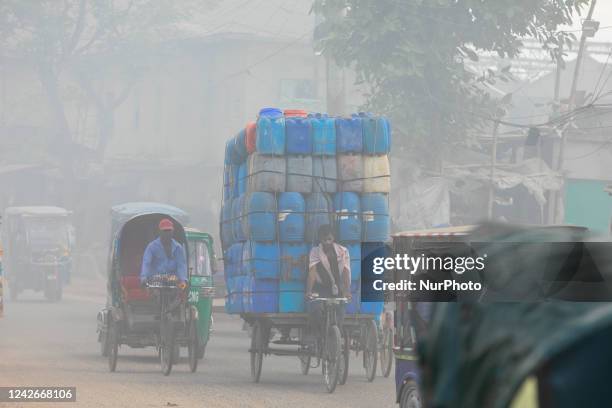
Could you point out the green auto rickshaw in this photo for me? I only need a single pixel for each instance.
(38, 243)
(550, 350)
(201, 284)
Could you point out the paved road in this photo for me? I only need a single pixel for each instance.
(47, 344)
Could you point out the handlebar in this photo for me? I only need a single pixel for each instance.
(162, 281)
(330, 300)
(157, 285)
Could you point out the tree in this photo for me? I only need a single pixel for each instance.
(86, 40)
(411, 55)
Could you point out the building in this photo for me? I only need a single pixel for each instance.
(175, 107)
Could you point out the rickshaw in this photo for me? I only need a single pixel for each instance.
(156, 316)
(328, 352)
(38, 242)
(411, 318)
(510, 349)
(1, 285)
(202, 266)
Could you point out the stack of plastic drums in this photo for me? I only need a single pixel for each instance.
(285, 175)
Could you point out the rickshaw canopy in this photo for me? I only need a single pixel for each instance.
(479, 354)
(122, 213)
(134, 226)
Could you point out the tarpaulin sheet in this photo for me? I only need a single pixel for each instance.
(422, 204)
(533, 173)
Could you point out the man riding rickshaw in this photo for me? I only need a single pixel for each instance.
(148, 281)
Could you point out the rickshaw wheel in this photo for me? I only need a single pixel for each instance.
(54, 294)
(113, 345)
(257, 346)
(386, 352)
(59, 293)
(410, 397)
(331, 359)
(176, 353)
(167, 348)
(344, 364)
(370, 355)
(305, 364)
(104, 344)
(193, 346)
(201, 351)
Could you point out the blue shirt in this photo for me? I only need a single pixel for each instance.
(156, 262)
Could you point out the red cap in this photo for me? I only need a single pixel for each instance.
(166, 225)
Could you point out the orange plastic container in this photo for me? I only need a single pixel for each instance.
(296, 113)
(251, 137)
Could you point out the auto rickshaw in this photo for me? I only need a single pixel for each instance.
(38, 242)
(201, 284)
(1, 285)
(145, 316)
(410, 317)
(549, 350)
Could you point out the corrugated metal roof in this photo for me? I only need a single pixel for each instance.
(36, 210)
(438, 232)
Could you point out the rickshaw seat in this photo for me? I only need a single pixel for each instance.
(132, 288)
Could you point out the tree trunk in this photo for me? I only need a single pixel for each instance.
(50, 83)
(61, 144)
(106, 126)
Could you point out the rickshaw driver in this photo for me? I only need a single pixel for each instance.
(329, 276)
(164, 256)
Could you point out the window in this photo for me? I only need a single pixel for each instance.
(199, 261)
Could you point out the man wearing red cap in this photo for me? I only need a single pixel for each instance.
(164, 256)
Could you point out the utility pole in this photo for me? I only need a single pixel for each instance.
(553, 195)
(493, 164)
(559, 209)
(557, 80)
(583, 38)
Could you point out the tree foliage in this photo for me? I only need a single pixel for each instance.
(411, 54)
(88, 41)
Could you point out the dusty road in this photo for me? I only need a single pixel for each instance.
(54, 344)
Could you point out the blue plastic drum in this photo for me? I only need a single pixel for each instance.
(348, 220)
(375, 217)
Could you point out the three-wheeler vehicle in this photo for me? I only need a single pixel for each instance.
(551, 351)
(411, 318)
(158, 315)
(528, 344)
(38, 241)
(1, 285)
(359, 333)
(202, 266)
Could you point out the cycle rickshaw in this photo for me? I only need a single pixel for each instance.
(156, 316)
